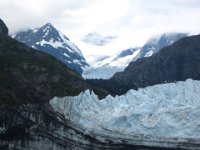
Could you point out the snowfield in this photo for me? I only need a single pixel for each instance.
(164, 110)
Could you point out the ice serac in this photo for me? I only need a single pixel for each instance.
(165, 114)
(49, 40)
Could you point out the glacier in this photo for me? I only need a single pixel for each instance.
(106, 68)
(164, 110)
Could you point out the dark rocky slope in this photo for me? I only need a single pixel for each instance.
(3, 28)
(29, 75)
(173, 63)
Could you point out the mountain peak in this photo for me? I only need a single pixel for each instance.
(3, 28)
(49, 28)
(97, 39)
(48, 25)
(49, 40)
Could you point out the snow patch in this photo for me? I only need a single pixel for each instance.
(65, 54)
(3, 130)
(76, 61)
(53, 43)
(149, 53)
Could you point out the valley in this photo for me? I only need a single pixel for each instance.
(95, 85)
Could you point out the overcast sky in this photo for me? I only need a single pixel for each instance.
(133, 21)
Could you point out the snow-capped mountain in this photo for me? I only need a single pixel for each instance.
(156, 43)
(106, 68)
(95, 38)
(49, 40)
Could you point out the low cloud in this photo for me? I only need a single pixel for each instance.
(133, 21)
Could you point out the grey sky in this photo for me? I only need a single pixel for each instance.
(133, 21)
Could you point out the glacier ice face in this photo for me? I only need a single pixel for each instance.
(164, 110)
